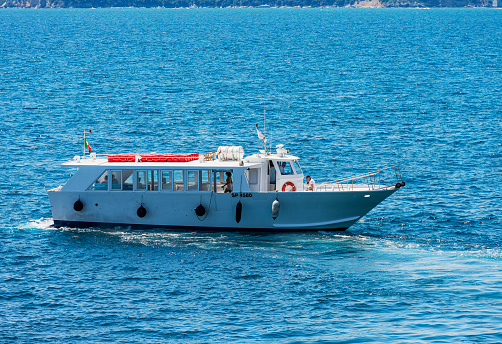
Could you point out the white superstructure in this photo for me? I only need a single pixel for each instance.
(221, 191)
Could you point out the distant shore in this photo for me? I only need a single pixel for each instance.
(361, 4)
(249, 4)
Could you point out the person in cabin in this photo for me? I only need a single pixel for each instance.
(228, 183)
(282, 167)
(310, 183)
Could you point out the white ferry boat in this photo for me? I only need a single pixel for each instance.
(212, 191)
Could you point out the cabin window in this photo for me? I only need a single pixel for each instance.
(178, 180)
(285, 167)
(205, 180)
(298, 169)
(193, 180)
(141, 181)
(220, 180)
(101, 183)
(153, 182)
(127, 178)
(116, 180)
(167, 180)
(253, 176)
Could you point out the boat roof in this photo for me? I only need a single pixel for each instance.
(246, 162)
(278, 157)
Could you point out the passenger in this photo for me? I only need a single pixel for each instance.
(310, 183)
(229, 183)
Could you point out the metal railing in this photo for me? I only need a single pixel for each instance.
(374, 180)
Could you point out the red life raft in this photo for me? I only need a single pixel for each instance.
(154, 157)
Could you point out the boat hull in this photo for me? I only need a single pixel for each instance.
(299, 211)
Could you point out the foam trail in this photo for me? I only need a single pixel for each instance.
(41, 223)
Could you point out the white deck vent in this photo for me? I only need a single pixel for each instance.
(226, 153)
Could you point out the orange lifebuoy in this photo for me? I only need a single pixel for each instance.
(293, 187)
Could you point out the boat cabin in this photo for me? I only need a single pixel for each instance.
(274, 173)
(153, 172)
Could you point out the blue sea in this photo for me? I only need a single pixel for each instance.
(347, 90)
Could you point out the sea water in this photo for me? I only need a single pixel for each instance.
(347, 90)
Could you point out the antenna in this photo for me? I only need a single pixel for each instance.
(270, 143)
(264, 117)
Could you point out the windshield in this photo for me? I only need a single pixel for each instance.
(285, 167)
(297, 167)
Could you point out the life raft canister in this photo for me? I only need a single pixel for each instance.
(291, 188)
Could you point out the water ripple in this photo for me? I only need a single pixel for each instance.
(347, 90)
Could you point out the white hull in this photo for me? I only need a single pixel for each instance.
(336, 210)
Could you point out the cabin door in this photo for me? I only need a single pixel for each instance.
(253, 178)
(273, 176)
(222, 201)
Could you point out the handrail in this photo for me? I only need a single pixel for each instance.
(373, 180)
(367, 173)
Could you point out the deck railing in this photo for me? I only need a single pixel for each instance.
(375, 180)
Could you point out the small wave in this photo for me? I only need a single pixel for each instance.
(150, 112)
(346, 236)
(337, 235)
(38, 224)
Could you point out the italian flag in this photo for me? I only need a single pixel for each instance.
(87, 145)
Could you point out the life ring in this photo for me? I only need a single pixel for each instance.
(293, 187)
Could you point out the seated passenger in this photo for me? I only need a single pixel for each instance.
(310, 183)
